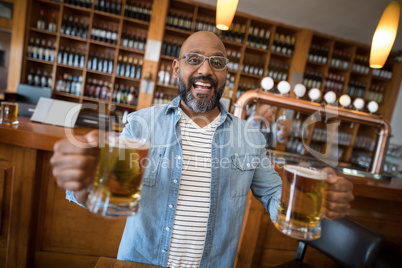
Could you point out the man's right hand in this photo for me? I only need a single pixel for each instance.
(74, 166)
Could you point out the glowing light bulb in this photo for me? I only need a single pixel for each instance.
(299, 90)
(284, 87)
(330, 97)
(372, 106)
(267, 83)
(314, 94)
(345, 100)
(358, 103)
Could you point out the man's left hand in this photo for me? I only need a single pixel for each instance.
(337, 196)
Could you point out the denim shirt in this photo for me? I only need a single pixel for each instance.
(238, 164)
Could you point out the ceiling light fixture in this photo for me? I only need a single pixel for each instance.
(225, 11)
(384, 35)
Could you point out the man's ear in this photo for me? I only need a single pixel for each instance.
(175, 65)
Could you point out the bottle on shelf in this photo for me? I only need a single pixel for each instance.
(334, 82)
(39, 78)
(385, 72)
(133, 69)
(242, 34)
(52, 26)
(41, 24)
(356, 89)
(161, 75)
(98, 89)
(35, 48)
(69, 26)
(340, 59)
(376, 93)
(265, 41)
(260, 38)
(31, 45)
(138, 73)
(41, 50)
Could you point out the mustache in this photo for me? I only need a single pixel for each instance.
(214, 83)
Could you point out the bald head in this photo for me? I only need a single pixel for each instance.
(202, 38)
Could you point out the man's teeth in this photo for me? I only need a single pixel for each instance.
(203, 84)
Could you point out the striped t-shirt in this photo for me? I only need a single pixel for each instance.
(190, 223)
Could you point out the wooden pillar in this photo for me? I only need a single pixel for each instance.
(17, 44)
(150, 67)
(302, 47)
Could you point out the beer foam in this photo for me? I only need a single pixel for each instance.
(306, 172)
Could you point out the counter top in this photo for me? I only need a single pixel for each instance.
(41, 136)
(36, 135)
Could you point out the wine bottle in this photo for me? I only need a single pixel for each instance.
(41, 25)
(128, 67)
(119, 59)
(52, 25)
(249, 36)
(139, 70)
(123, 66)
(242, 34)
(134, 69)
(265, 43)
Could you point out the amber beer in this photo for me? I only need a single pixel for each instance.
(299, 211)
(9, 113)
(118, 180)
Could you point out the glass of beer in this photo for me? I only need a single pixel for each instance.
(299, 213)
(116, 190)
(9, 113)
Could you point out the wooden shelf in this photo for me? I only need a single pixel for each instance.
(100, 43)
(107, 14)
(40, 61)
(70, 67)
(74, 37)
(33, 29)
(77, 7)
(124, 105)
(65, 94)
(258, 50)
(98, 72)
(94, 99)
(141, 22)
(142, 52)
(127, 78)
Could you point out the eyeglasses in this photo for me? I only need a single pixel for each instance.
(218, 63)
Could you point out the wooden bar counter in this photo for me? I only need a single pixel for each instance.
(40, 228)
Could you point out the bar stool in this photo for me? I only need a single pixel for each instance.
(346, 241)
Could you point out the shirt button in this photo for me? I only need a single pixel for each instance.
(175, 181)
(163, 250)
(167, 228)
(179, 157)
(171, 206)
(248, 165)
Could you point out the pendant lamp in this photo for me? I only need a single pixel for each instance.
(225, 11)
(385, 34)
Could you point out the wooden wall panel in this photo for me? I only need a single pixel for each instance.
(17, 44)
(70, 230)
(19, 233)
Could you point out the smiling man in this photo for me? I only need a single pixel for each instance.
(202, 163)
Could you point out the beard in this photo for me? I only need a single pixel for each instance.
(202, 104)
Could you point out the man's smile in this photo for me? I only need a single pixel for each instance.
(202, 87)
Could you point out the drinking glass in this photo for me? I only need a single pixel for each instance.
(116, 191)
(9, 113)
(299, 213)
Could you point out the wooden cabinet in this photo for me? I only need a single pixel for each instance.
(92, 54)
(109, 69)
(111, 46)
